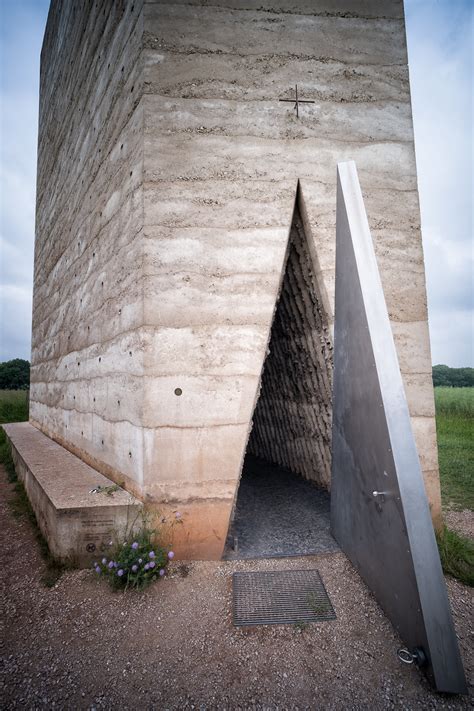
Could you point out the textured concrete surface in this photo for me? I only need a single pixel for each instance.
(167, 174)
(292, 418)
(77, 523)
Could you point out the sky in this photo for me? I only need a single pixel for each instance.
(440, 51)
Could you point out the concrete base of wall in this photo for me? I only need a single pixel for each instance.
(76, 523)
(204, 528)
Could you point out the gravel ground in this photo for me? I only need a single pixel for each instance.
(278, 513)
(81, 646)
(460, 521)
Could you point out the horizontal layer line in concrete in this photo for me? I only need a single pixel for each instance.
(143, 426)
(342, 15)
(274, 100)
(189, 51)
(263, 181)
(300, 139)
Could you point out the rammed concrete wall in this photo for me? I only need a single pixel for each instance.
(166, 184)
(87, 350)
(293, 416)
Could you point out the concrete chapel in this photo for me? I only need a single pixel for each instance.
(185, 239)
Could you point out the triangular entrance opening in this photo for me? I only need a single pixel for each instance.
(283, 505)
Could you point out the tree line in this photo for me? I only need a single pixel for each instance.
(453, 377)
(15, 374)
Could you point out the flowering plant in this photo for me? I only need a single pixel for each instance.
(136, 561)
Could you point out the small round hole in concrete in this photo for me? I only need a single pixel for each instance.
(178, 391)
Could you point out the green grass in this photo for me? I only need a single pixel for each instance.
(455, 429)
(455, 402)
(457, 555)
(14, 408)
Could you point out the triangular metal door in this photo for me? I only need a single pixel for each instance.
(379, 510)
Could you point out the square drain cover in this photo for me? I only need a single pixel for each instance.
(280, 597)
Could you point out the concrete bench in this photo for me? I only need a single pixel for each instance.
(77, 523)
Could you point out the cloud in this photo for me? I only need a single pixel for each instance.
(22, 26)
(439, 48)
(440, 44)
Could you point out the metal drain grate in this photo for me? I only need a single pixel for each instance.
(280, 597)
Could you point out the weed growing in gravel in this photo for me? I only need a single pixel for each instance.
(318, 606)
(300, 626)
(138, 558)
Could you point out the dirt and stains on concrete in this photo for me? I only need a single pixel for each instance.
(167, 173)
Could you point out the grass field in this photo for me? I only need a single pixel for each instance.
(13, 406)
(455, 428)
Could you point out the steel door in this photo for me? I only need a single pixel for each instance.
(379, 510)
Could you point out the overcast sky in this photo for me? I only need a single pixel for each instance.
(440, 44)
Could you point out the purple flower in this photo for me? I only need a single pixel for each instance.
(146, 566)
(134, 545)
(171, 555)
(111, 564)
(104, 561)
(152, 564)
(162, 572)
(120, 572)
(177, 515)
(97, 569)
(151, 554)
(115, 565)
(134, 568)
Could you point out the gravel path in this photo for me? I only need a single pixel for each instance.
(81, 646)
(460, 521)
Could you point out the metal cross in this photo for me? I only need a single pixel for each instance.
(297, 101)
